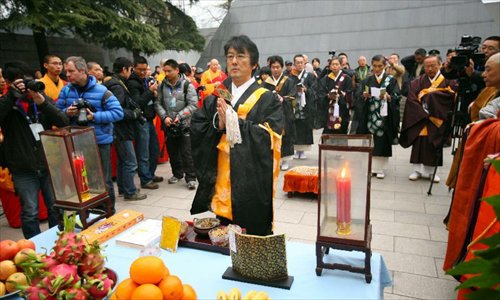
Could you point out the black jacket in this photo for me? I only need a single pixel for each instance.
(21, 151)
(126, 128)
(143, 96)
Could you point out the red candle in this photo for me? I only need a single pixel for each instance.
(81, 173)
(344, 199)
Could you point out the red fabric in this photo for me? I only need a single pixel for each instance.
(484, 139)
(295, 181)
(163, 157)
(12, 207)
(114, 161)
(486, 216)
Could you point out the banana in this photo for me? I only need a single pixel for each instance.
(261, 296)
(221, 295)
(250, 295)
(234, 294)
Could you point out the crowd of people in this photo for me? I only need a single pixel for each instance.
(219, 124)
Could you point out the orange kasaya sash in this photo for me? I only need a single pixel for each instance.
(434, 88)
(221, 201)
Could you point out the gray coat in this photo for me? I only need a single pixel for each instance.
(172, 103)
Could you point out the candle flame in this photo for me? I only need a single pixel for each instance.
(345, 170)
(342, 174)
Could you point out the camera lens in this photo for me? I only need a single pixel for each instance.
(36, 86)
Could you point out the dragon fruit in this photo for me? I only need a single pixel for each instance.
(61, 277)
(99, 286)
(92, 261)
(73, 293)
(34, 292)
(69, 247)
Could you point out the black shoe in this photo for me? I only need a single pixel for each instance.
(150, 185)
(158, 179)
(135, 197)
(191, 185)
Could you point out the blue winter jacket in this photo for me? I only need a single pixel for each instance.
(106, 114)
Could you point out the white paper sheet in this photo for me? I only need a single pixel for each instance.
(383, 108)
(375, 92)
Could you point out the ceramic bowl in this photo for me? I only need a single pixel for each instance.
(204, 225)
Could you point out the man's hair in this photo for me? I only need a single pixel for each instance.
(242, 43)
(297, 56)
(185, 69)
(265, 70)
(378, 57)
(493, 38)
(334, 58)
(48, 57)
(120, 63)
(172, 63)
(421, 52)
(91, 64)
(15, 70)
(434, 55)
(276, 59)
(316, 59)
(139, 60)
(396, 55)
(342, 54)
(450, 51)
(78, 61)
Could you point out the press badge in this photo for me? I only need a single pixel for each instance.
(36, 128)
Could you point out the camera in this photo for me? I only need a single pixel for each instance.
(201, 88)
(332, 53)
(467, 50)
(82, 105)
(35, 86)
(151, 80)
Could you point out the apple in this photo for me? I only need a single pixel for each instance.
(7, 268)
(8, 249)
(24, 255)
(2, 289)
(24, 243)
(15, 279)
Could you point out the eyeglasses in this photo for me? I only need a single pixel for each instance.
(239, 57)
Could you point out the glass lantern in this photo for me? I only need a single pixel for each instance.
(344, 199)
(75, 170)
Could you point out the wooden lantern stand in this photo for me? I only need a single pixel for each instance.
(323, 248)
(84, 211)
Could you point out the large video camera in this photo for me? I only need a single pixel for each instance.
(82, 105)
(332, 53)
(467, 50)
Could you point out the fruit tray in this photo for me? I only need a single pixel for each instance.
(192, 240)
(9, 294)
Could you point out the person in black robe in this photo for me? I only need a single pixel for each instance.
(334, 96)
(378, 111)
(237, 178)
(285, 89)
(430, 99)
(305, 108)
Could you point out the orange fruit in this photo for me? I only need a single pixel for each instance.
(113, 297)
(171, 287)
(7, 268)
(188, 293)
(166, 273)
(125, 288)
(147, 291)
(147, 269)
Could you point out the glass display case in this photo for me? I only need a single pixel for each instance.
(344, 199)
(75, 169)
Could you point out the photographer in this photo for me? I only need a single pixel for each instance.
(24, 112)
(177, 101)
(147, 149)
(126, 129)
(88, 103)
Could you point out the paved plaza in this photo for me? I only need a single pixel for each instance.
(407, 224)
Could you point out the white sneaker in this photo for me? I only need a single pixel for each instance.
(284, 166)
(296, 155)
(414, 176)
(302, 155)
(380, 175)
